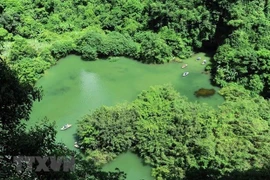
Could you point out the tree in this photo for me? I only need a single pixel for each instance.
(184, 140)
(108, 129)
(153, 49)
(16, 100)
(21, 49)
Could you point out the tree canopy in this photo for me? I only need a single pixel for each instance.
(150, 31)
(179, 138)
(16, 100)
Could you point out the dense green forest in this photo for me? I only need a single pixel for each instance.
(35, 34)
(180, 139)
(184, 140)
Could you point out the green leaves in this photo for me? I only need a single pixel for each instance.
(21, 49)
(182, 139)
(244, 49)
(153, 49)
(16, 98)
(61, 49)
(93, 44)
(108, 129)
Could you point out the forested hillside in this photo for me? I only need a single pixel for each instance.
(35, 34)
(184, 140)
(178, 138)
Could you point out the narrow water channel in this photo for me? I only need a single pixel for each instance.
(74, 88)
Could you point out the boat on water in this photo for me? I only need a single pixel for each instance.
(76, 145)
(66, 127)
(184, 66)
(185, 74)
(204, 62)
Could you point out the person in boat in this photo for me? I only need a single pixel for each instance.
(66, 126)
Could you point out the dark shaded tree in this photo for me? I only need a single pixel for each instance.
(16, 100)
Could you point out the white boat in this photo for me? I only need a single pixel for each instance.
(76, 145)
(185, 65)
(185, 74)
(204, 62)
(66, 127)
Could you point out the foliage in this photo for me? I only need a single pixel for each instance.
(242, 56)
(61, 49)
(93, 44)
(89, 44)
(16, 99)
(21, 49)
(102, 124)
(181, 139)
(117, 44)
(31, 70)
(151, 31)
(153, 49)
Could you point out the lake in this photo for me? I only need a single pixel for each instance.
(73, 88)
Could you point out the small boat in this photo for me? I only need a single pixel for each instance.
(198, 58)
(185, 65)
(185, 74)
(66, 127)
(204, 62)
(76, 145)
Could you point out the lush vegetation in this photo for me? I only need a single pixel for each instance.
(16, 100)
(37, 33)
(181, 139)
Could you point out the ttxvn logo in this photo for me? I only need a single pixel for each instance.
(45, 164)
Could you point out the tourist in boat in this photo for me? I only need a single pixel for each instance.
(66, 126)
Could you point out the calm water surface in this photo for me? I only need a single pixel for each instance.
(74, 88)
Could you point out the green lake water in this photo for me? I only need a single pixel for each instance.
(74, 88)
(132, 165)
